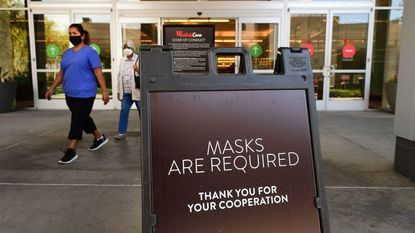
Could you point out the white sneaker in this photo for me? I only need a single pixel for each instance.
(119, 136)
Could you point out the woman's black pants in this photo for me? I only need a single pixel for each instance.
(80, 120)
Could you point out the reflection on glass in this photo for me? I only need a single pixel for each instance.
(186, 0)
(12, 3)
(386, 45)
(228, 64)
(140, 34)
(309, 31)
(72, 1)
(324, 0)
(393, 3)
(347, 86)
(45, 80)
(261, 41)
(51, 35)
(107, 77)
(349, 41)
(15, 54)
(51, 38)
(98, 27)
(318, 85)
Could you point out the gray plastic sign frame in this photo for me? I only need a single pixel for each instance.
(292, 72)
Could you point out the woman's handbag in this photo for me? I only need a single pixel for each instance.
(137, 76)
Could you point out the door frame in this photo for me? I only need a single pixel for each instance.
(339, 105)
(118, 45)
(43, 103)
(253, 20)
(70, 12)
(359, 105)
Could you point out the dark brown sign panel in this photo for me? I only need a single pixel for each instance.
(190, 44)
(232, 162)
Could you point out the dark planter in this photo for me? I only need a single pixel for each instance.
(7, 95)
(390, 89)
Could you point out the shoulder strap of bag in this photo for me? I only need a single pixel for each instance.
(136, 60)
(136, 73)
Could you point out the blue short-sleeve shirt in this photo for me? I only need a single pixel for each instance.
(79, 79)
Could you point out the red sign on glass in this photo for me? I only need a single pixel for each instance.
(349, 50)
(308, 46)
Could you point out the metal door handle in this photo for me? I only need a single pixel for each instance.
(331, 70)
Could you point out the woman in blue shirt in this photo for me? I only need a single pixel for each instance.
(80, 71)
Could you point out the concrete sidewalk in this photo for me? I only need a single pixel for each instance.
(100, 192)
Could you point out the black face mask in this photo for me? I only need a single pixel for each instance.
(75, 40)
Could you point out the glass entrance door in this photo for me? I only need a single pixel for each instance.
(338, 46)
(138, 32)
(309, 30)
(98, 24)
(141, 31)
(348, 61)
(51, 40)
(261, 37)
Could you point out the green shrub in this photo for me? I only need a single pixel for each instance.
(345, 93)
(393, 80)
(60, 91)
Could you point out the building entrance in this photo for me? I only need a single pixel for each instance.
(338, 37)
(51, 40)
(259, 35)
(338, 43)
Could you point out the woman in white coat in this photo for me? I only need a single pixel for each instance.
(127, 91)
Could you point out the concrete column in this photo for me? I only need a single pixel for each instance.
(405, 102)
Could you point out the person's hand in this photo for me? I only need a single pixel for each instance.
(105, 98)
(48, 94)
(119, 96)
(135, 67)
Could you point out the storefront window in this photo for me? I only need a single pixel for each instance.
(261, 40)
(12, 3)
(386, 46)
(70, 1)
(349, 41)
(326, 0)
(347, 86)
(190, 0)
(309, 31)
(51, 35)
(51, 38)
(392, 3)
(98, 26)
(140, 34)
(318, 79)
(349, 52)
(15, 54)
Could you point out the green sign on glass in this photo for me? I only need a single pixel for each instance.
(52, 50)
(255, 50)
(96, 48)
